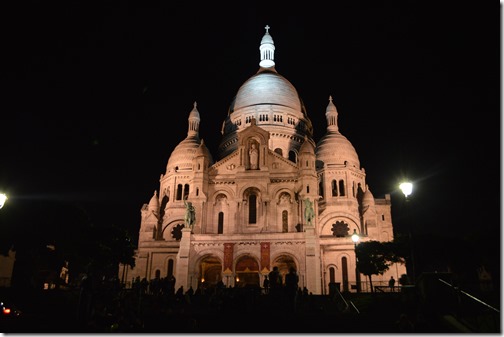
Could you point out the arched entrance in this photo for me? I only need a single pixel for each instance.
(247, 272)
(284, 262)
(210, 270)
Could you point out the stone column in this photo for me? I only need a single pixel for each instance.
(182, 269)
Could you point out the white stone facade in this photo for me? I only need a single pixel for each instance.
(250, 213)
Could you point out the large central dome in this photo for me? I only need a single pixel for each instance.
(267, 87)
(274, 103)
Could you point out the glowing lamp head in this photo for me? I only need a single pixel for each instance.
(355, 236)
(3, 198)
(406, 188)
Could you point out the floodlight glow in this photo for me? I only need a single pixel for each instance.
(3, 198)
(406, 188)
(355, 236)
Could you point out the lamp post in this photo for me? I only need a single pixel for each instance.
(3, 198)
(355, 239)
(407, 189)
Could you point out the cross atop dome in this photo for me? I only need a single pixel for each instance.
(267, 28)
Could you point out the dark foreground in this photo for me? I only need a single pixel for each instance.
(226, 311)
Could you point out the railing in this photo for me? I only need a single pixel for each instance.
(383, 286)
(387, 289)
(471, 311)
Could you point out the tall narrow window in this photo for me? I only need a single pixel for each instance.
(179, 192)
(220, 227)
(321, 188)
(285, 222)
(186, 191)
(252, 208)
(307, 189)
(344, 275)
(334, 188)
(170, 268)
(342, 188)
(332, 277)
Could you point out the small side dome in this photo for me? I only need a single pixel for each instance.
(203, 151)
(368, 198)
(183, 154)
(154, 203)
(334, 148)
(307, 147)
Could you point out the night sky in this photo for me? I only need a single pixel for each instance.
(96, 97)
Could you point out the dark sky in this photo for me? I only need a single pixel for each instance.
(97, 95)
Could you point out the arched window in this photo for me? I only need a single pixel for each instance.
(170, 268)
(342, 187)
(332, 275)
(334, 188)
(252, 209)
(179, 192)
(279, 151)
(285, 222)
(321, 188)
(344, 273)
(186, 191)
(220, 227)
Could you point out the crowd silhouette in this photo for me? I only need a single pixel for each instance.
(124, 311)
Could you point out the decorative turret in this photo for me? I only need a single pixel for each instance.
(267, 49)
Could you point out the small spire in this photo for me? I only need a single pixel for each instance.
(267, 50)
(332, 115)
(194, 120)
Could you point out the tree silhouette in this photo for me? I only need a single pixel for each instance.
(375, 258)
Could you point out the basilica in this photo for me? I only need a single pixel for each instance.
(270, 197)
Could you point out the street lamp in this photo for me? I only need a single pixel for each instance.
(3, 198)
(407, 189)
(355, 239)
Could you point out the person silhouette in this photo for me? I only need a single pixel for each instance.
(266, 284)
(391, 283)
(275, 280)
(291, 287)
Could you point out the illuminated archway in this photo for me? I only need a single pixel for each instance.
(247, 272)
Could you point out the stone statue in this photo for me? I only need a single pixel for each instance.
(309, 212)
(190, 215)
(253, 156)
